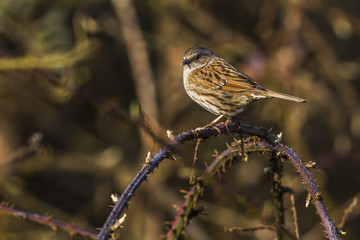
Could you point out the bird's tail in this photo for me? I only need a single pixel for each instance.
(284, 96)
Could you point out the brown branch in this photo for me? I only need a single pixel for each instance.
(139, 59)
(253, 229)
(249, 229)
(50, 61)
(32, 147)
(275, 175)
(139, 64)
(196, 153)
(48, 221)
(293, 210)
(185, 212)
(347, 214)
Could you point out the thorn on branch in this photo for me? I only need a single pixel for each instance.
(147, 159)
(278, 137)
(196, 212)
(114, 198)
(308, 200)
(341, 232)
(183, 191)
(118, 223)
(310, 164)
(169, 134)
(318, 197)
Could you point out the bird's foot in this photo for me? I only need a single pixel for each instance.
(212, 124)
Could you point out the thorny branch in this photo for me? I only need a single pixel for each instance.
(329, 225)
(266, 142)
(185, 212)
(275, 172)
(166, 152)
(238, 148)
(48, 221)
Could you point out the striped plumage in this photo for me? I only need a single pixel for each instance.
(220, 88)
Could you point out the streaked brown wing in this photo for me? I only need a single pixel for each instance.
(220, 74)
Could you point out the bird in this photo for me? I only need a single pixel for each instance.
(220, 88)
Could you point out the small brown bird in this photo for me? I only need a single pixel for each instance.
(220, 88)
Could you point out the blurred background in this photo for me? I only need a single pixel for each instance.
(87, 88)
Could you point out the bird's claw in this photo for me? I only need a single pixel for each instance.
(212, 125)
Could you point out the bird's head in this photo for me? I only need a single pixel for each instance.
(197, 57)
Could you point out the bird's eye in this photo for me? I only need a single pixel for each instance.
(198, 57)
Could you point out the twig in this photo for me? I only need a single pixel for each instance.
(277, 190)
(50, 61)
(139, 59)
(249, 229)
(185, 212)
(48, 221)
(33, 146)
(347, 213)
(253, 229)
(139, 64)
(196, 153)
(293, 210)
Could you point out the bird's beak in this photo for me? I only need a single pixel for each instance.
(185, 62)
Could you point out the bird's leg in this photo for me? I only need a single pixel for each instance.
(212, 124)
(215, 120)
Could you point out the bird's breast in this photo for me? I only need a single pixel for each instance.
(186, 73)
